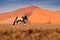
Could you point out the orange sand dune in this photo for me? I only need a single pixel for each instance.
(44, 16)
(38, 15)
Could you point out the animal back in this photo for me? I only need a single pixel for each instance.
(19, 18)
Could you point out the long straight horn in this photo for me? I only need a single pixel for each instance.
(28, 14)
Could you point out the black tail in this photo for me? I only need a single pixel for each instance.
(15, 21)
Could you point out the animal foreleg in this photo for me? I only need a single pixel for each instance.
(24, 22)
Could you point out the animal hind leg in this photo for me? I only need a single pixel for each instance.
(18, 21)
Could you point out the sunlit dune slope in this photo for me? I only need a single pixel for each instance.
(44, 16)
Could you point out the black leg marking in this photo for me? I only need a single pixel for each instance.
(18, 21)
(24, 22)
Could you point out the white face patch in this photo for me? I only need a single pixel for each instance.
(19, 18)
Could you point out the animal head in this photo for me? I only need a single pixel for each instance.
(28, 14)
